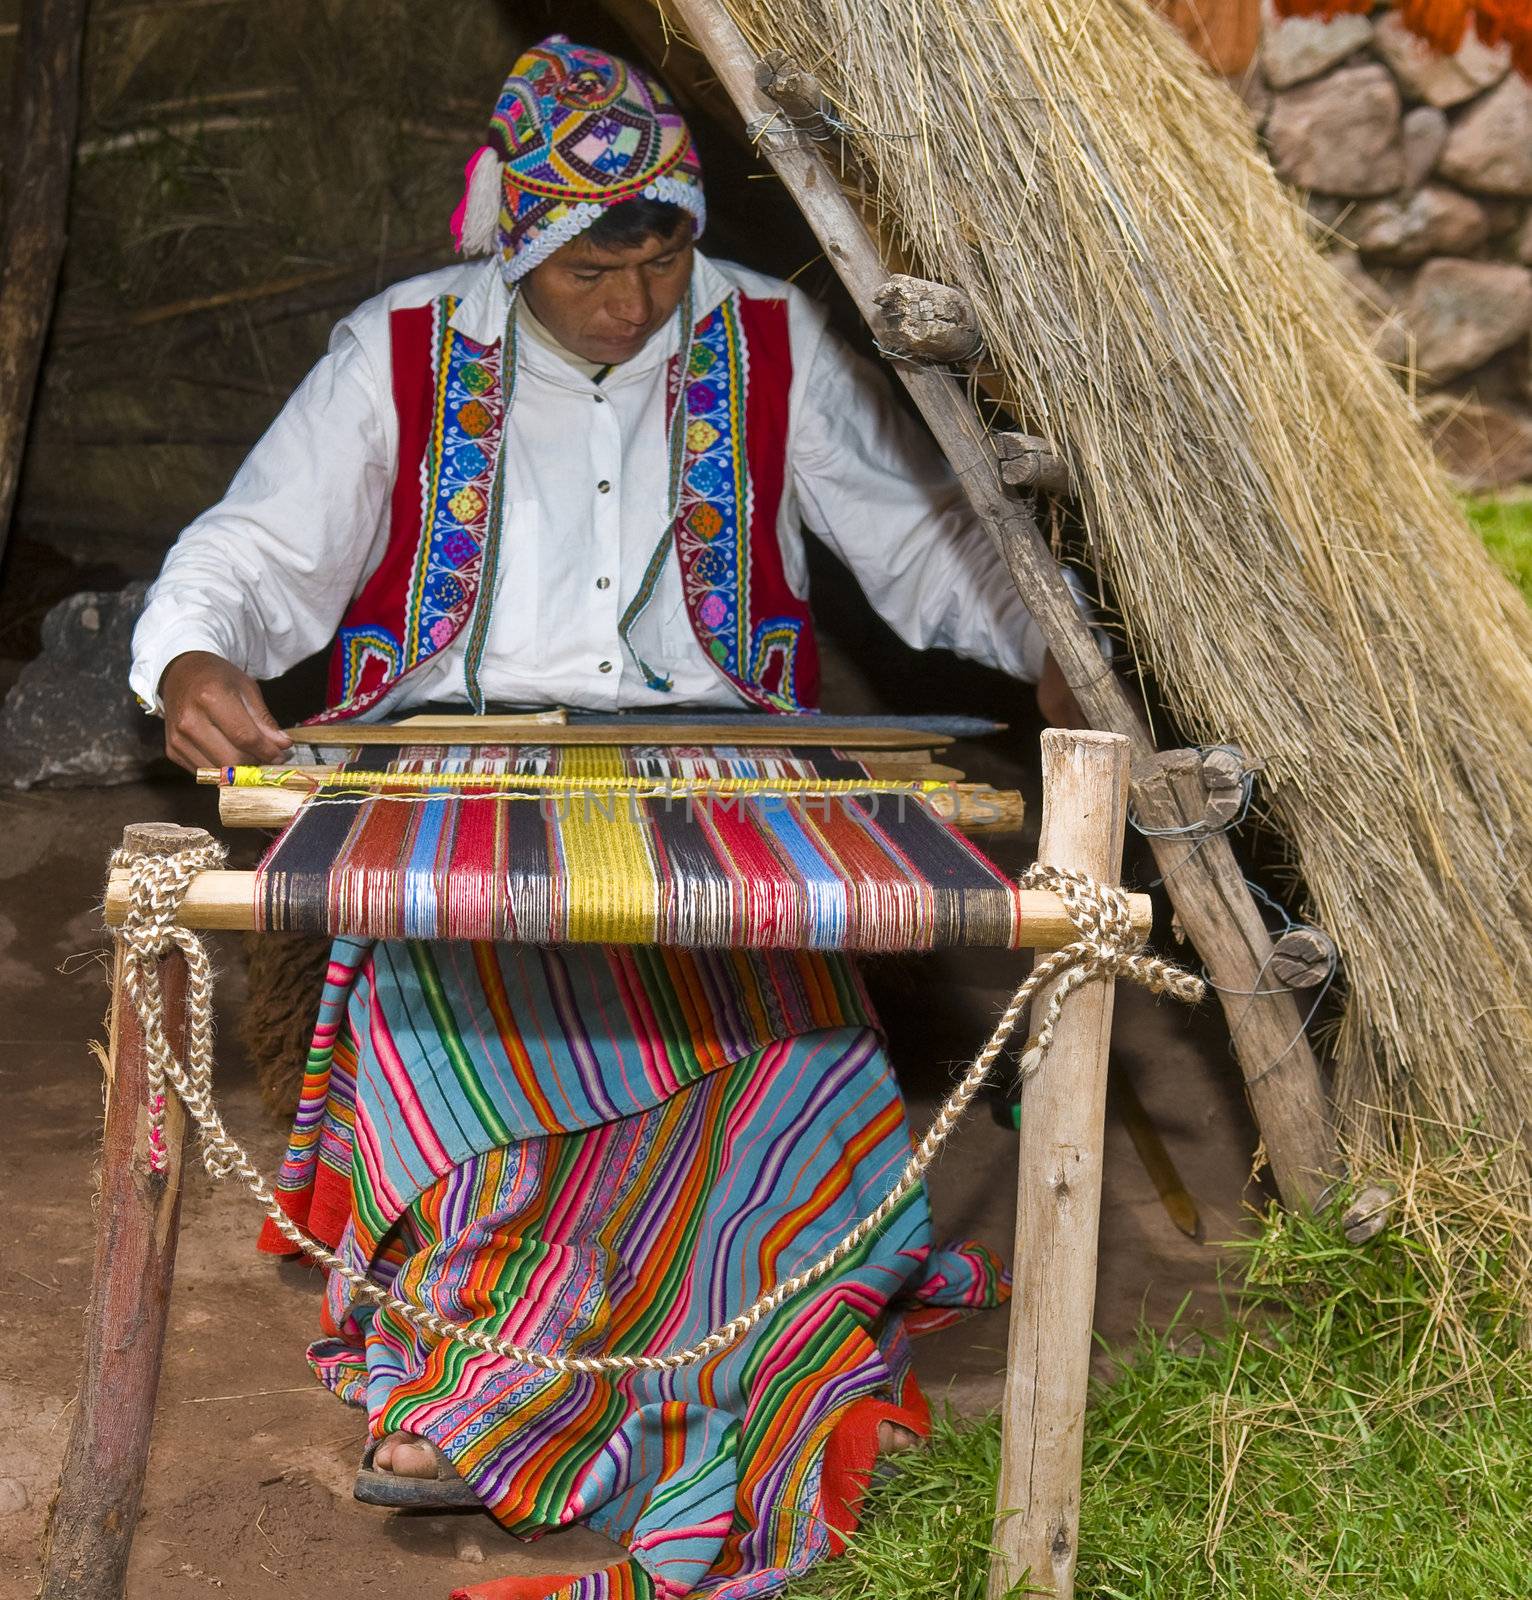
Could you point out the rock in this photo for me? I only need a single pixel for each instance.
(1463, 312)
(1375, 308)
(1433, 222)
(1252, 90)
(1482, 447)
(13, 1497)
(1524, 241)
(1340, 135)
(1490, 148)
(1505, 216)
(467, 1548)
(1437, 79)
(70, 718)
(1326, 212)
(1295, 49)
(1424, 133)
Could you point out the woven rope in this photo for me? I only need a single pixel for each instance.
(1106, 947)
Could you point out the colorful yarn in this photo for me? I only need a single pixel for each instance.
(600, 862)
(577, 131)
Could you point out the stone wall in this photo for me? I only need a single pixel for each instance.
(1418, 170)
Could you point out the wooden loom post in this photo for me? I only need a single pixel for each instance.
(91, 1523)
(1058, 1202)
(1286, 1093)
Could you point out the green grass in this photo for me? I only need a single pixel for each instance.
(1504, 523)
(1362, 1427)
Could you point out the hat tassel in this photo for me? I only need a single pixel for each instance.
(478, 213)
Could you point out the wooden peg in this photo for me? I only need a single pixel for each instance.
(1303, 958)
(796, 92)
(917, 320)
(1028, 462)
(1368, 1215)
(1223, 775)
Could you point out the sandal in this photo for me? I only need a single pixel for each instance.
(377, 1486)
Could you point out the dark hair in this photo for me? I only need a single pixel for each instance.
(634, 222)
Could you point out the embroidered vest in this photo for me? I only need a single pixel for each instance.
(438, 571)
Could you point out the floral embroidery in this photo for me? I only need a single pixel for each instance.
(456, 480)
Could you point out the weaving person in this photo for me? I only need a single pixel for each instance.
(576, 474)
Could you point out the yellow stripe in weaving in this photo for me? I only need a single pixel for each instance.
(614, 891)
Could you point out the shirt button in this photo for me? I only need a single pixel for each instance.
(603, 583)
(606, 666)
(605, 486)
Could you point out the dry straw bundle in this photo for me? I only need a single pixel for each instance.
(1289, 562)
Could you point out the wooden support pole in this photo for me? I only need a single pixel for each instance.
(90, 1526)
(45, 115)
(1231, 942)
(1058, 1202)
(1214, 906)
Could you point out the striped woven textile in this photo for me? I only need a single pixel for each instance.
(638, 1234)
(868, 871)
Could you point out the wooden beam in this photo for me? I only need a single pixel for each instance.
(1058, 1203)
(89, 1536)
(1302, 1150)
(1214, 905)
(973, 807)
(45, 115)
(226, 901)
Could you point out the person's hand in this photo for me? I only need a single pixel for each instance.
(1055, 699)
(215, 715)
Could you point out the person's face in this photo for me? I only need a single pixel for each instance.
(601, 304)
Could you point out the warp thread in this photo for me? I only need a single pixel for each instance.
(1107, 946)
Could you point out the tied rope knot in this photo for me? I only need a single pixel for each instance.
(157, 885)
(1106, 946)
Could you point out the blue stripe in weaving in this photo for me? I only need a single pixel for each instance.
(824, 889)
(421, 910)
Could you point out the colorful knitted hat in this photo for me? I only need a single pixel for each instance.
(575, 132)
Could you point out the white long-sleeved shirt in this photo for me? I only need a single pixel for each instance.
(264, 577)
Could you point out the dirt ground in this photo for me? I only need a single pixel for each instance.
(248, 1490)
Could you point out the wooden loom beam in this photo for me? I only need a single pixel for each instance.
(1058, 1202)
(90, 1526)
(973, 807)
(225, 900)
(1202, 876)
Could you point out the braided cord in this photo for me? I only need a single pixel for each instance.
(1106, 947)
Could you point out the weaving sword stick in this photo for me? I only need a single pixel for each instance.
(725, 729)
